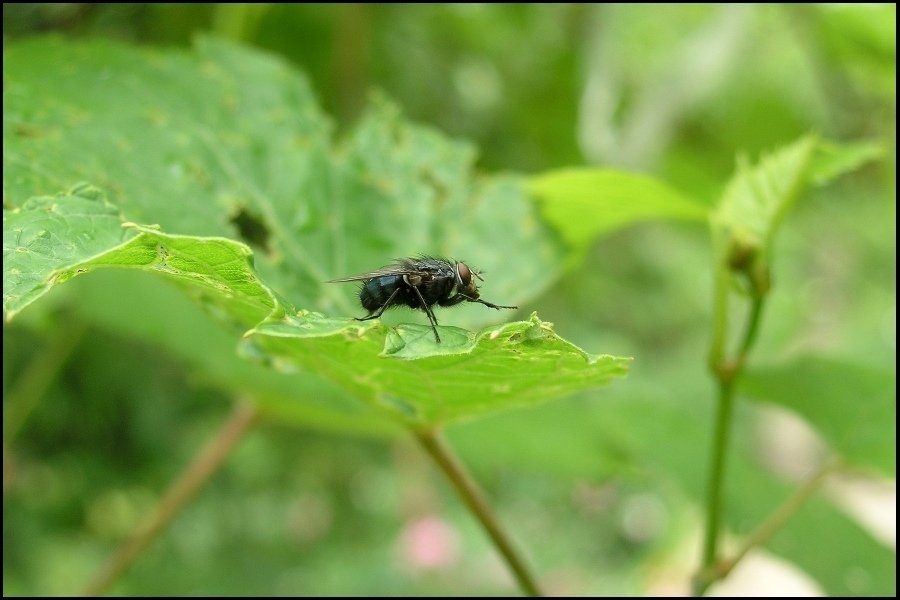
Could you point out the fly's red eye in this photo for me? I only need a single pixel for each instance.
(465, 275)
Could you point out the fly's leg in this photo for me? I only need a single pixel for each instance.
(488, 304)
(430, 314)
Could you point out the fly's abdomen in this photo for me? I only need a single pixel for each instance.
(375, 292)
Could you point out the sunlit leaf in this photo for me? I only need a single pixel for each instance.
(585, 203)
(42, 244)
(48, 234)
(515, 364)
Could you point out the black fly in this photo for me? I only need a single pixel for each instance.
(418, 283)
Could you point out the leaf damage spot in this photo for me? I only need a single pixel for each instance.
(252, 229)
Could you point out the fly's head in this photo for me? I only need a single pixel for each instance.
(465, 279)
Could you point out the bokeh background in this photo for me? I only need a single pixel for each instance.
(674, 91)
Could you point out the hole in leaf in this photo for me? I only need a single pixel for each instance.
(251, 228)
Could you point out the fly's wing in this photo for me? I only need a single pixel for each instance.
(390, 270)
(405, 266)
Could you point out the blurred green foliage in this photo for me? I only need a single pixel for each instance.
(600, 493)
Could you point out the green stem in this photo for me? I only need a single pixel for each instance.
(474, 499)
(721, 433)
(720, 318)
(726, 373)
(778, 518)
(752, 328)
(176, 497)
(767, 529)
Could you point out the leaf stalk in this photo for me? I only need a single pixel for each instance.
(176, 497)
(726, 372)
(474, 499)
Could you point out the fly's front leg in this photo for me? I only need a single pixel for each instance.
(491, 305)
(488, 304)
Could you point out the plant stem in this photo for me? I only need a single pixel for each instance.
(474, 499)
(726, 373)
(720, 318)
(778, 518)
(752, 329)
(176, 497)
(766, 530)
(721, 434)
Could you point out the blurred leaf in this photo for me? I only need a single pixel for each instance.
(842, 556)
(515, 364)
(859, 41)
(853, 406)
(758, 197)
(831, 160)
(819, 538)
(587, 202)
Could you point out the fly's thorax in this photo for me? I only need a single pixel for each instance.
(414, 280)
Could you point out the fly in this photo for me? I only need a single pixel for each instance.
(418, 283)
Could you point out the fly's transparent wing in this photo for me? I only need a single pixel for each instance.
(398, 268)
(425, 267)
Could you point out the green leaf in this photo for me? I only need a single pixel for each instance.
(758, 197)
(162, 315)
(819, 538)
(831, 160)
(516, 364)
(49, 234)
(583, 203)
(842, 556)
(35, 260)
(225, 142)
(852, 406)
(402, 370)
(42, 239)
